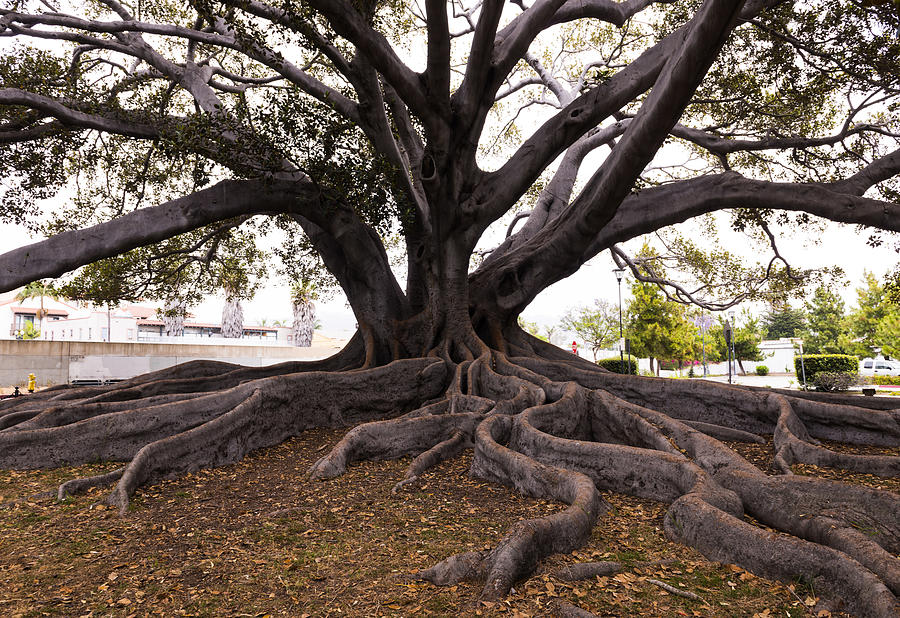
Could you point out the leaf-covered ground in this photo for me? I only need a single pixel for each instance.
(257, 538)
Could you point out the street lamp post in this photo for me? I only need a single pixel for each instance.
(727, 332)
(732, 368)
(802, 365)
(620, 272)
(703, 322)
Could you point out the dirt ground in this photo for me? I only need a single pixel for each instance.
(258, 539)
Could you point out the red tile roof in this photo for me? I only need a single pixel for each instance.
(36, 309)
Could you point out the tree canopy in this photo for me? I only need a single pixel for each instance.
(165, 118)
(348, 128)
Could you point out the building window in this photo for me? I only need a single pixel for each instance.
(81, 333)
(21, 319)
(89, 333)
(71, 333)
(104, 333)
(130, 333)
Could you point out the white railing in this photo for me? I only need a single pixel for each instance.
(204, 340)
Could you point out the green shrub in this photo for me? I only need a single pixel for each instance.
(886, 380)
(840, 363)
(834, 380)
(762, 370)
(615, 364)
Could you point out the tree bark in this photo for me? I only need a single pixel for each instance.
(304, 319)
(232, 319)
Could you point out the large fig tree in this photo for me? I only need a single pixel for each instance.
(350, 125)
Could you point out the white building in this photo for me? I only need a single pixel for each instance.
(778, 356)
(67, 321)
(92, 325)
(16, 314)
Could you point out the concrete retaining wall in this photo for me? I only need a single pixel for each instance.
(60, 362)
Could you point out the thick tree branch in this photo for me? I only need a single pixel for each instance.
(616, 13)
(554, 198)
(73, 117)
(571, 233)
(720, 146)
(562, 94)
(31, 133)
(506, 185)
(222, 37)
(69, 250)
(472, 91)
(347, 22)
(642, 213)
(437, 73)
(879, 170)
(342, 239)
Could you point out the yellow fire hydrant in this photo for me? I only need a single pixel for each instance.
(31, 382)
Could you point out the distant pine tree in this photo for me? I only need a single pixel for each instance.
(782, 321)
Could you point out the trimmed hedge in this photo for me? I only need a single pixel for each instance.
(831, 363)
(762, 370)
(615, 364)
(672, 365)
(834, 380)
(886, 380)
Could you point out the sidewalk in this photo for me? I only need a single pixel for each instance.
(773, 380)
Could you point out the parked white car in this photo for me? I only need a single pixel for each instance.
(879, 367)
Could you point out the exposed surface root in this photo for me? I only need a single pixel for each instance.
(170, 439)
(528, 541)
(442, 451)
(65, 413)
(564, 609)
(725, 433)
(587, 570)
(556, 427)
(792, 445)
(722, 537)
(392, 439)
(190, 377)
(81, 485)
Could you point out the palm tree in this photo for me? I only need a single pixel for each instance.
(173, 315)
(232, 316)
(302, 295)
(38, 289)
(235, 281)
